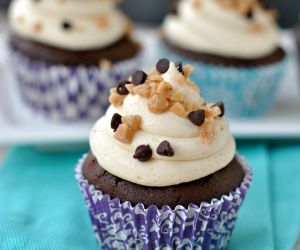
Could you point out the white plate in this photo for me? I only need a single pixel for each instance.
(19, 126)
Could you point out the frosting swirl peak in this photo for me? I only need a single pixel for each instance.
(232, 28)
(70, 24)
(184, 141)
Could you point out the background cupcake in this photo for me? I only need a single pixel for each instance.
(235, 45)
(163, 171)
(66, 54)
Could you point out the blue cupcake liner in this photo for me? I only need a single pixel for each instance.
(120, 225)
(68, 93)
(246, 91)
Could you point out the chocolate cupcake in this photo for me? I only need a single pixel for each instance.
(235, 46)
(67, 54)
(163, 169)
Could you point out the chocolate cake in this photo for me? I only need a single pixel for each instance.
(276, 56)
(123, 49)
(205, 189)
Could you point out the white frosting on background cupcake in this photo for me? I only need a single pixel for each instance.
(193, 158)
(68, 24)
(208, 26)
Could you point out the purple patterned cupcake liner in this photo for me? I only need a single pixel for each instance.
(68, 93)
(120, 225)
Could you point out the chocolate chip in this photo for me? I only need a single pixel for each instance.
(174, 9)
(143, 153)
(163, 65)
(165, 149)
(249, 14)
(179, 67)
(264, 4)
(121, 89)
(66, 25)
(139, 77)
(116, 120)
(221, 106)
(197, 117)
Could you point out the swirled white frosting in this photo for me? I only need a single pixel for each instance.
(87, 31)
(192, 160)
(210, 28)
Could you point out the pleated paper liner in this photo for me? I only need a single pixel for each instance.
(120, 225)
(68, 93)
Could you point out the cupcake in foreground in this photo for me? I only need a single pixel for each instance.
(163, 172)
(234, 45)
(67, 54)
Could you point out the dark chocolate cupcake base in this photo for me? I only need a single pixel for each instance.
(277, 55)
(123, 49)
(205, 189)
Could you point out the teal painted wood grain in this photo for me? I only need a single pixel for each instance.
(41, 206)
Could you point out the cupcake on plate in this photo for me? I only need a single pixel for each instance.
(67, 54)
(234, 45)
(163, 172)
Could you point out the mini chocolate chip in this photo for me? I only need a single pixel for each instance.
(197, 117)
(249, 14)
(66, 25)
(174, 9)
(116, 120)
(179, 67)
(264, 4)
(163, 65)
(121, 89)
(165, 149)
(139, 77)
(221, 106)
(143, 153)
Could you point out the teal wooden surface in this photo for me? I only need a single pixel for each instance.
(41, 206)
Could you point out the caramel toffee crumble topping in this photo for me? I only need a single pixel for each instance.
(133, 121)
(207, 132)
(247, 8)
(158, 104)
(162, 97)
(105, 64)
(124, 127)
(124, 133)
(102, 21)
(37, 27)
(115, 99)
